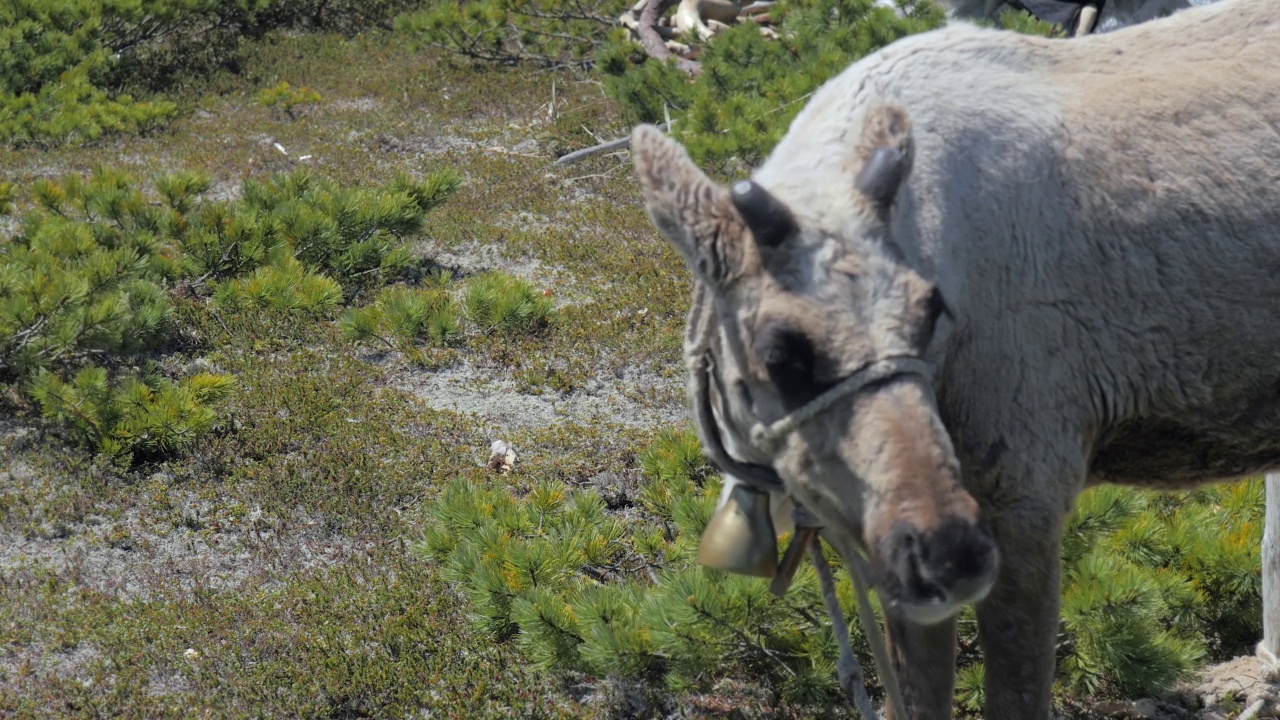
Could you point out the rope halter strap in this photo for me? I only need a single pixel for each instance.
(770, 437)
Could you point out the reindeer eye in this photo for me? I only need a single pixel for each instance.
(793, 353)
(788, 356)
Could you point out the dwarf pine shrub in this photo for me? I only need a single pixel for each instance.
(548, 33)
(87, 281)
(287, 97)
(579, 588)
(65, 64)
(503, 302)
(353, 235)
(83, 278)
(1156, 583)
(59, 59)
(137, 417)
(1153, 585)
(284, 286)
(401, 316)
(83, 285)
(751, 87)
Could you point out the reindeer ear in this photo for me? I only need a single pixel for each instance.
(696, 214)
(884, 154)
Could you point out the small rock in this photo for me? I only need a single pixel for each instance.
(502, 456)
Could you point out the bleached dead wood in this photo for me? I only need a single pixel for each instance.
(619, 144)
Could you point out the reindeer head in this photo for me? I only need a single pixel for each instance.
(799, 308)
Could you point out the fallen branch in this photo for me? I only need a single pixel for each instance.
(604, 147)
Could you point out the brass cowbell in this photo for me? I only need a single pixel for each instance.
(740, 537)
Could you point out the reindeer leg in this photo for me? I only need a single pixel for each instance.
(1018, 620)
(924, 658)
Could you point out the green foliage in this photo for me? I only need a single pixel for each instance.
(56, 56)
(64, 63)
(345, 16)
(137, 417)
(751, 87)
(85, 285)
(1024, 22)
(546, 32)
(675, 457)
(580, 589)
(287, 97)
(85, 274)
(73, 111)
(971, 694)
(401, 316)
(84, 282)
(284, 286)
(1154, 584)
(82, 278)
(354, 236)
(498, 301)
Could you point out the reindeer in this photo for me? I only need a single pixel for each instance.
(1060, 258)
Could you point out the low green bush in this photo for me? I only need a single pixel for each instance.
(1154, 585)
(83, 287)
(353, 235)
(65, 65)
(83, 278)
(135, 418)
(750, 86)
(401, 316)
(87, 285)
(582, 589)
(284, 285)
(505, 303)
(549, 33)
(287, 97)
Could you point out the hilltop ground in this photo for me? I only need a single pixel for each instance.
(266, 573)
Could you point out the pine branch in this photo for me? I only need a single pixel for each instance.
(601, 19)
(759, 648)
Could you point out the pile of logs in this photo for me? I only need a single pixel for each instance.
(694, 19)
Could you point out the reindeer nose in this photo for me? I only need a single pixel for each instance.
(938, 571)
